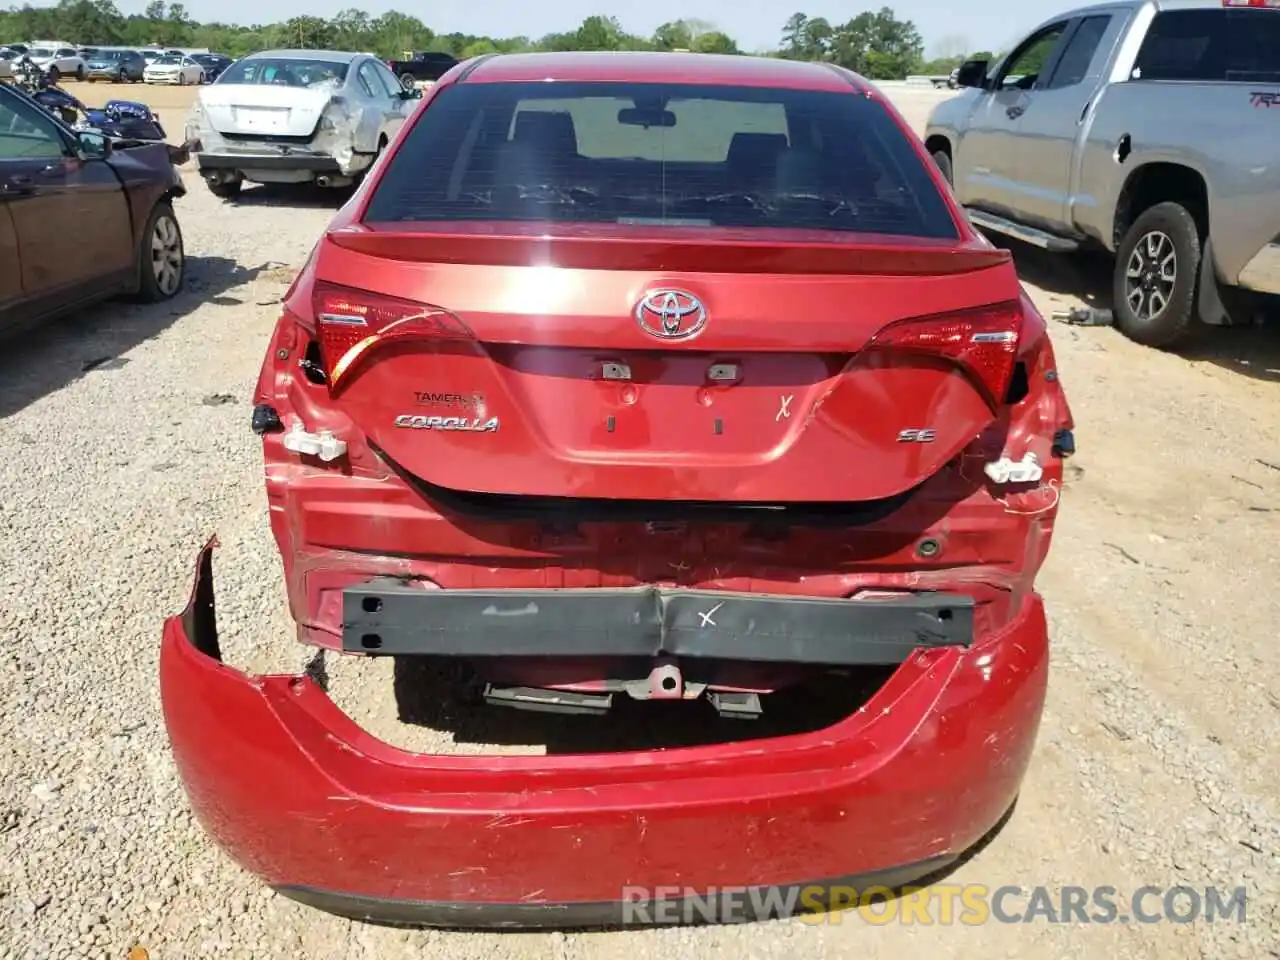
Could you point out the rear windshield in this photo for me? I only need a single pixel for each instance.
(40, 52)
(1241, 46)
(286, 71)
(664, 154)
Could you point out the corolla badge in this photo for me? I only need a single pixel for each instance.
(671, 314)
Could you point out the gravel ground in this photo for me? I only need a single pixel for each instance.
(1156, 762)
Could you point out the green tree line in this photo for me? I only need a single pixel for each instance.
(876, 44)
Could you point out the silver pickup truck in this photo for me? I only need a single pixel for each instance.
(1147, 129)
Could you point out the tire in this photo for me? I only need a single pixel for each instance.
(54, 74)
(1157, 306)
(80, 72)
(943, 161)
(123, 78)
(162, 260)
(408, 81)
(227, 190)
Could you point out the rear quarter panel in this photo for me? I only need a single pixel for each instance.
(1227, 132)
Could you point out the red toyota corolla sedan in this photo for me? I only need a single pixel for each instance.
(642, 376)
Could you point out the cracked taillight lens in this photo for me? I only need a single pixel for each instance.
(351, 324)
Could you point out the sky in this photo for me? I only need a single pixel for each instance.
(755, 24)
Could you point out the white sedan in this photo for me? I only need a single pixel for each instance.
(296, 116)
(170, 69)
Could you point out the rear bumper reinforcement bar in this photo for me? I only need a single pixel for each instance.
(390, 617)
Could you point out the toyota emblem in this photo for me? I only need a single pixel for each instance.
(671, 314)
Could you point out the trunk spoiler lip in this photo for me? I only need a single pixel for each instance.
(693, 250)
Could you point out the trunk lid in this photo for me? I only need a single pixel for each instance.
(672, 365)
(243, 109)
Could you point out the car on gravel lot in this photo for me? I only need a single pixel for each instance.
(642, 377)
(58, 60)
(118, 66)
(55, 181)
(296, 116)
(213, 63)
(181, 70)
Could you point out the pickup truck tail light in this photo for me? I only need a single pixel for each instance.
(1255, 4)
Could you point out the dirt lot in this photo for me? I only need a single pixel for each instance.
(173, 98)
(127, 438)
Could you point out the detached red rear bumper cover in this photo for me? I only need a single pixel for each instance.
(328, 814)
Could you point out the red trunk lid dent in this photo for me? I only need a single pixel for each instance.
(767, 386)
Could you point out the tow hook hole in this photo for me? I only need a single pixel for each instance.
(371, 641)
(928, 548)
(944, 614)
(372, 604)
(668, 683)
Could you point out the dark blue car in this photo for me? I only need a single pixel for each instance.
(213, 63)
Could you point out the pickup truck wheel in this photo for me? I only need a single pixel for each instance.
(408, 81)
(943, 160)
(1154, 283)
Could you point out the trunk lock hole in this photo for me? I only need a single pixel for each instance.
(371, 641)
(944, 614)
(371, 604)
(928, 547)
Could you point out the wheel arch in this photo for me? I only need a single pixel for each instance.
(1158, 181)
(935, 142)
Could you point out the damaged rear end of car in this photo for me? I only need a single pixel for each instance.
(621, 386)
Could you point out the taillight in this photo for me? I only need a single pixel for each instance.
(1259, 4)
(351, 323)
(983, 341)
